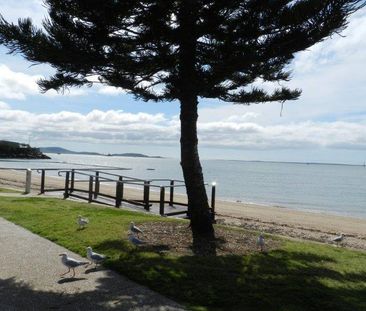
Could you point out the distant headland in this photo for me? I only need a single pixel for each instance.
(14, 150)
(60, 150)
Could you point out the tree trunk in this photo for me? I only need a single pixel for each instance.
(198, 209)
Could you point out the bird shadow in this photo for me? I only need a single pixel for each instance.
(161, 248)
(93, 270)
(70, 280)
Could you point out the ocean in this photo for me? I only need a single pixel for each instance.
(326, 188)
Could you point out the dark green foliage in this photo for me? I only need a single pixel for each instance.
(136, 45)
(10, 149)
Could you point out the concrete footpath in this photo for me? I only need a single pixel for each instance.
(30, 279)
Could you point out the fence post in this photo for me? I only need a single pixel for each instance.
(213, 197)
(43, 175)
(118, 194)
(97, 185)
(67, 179)
(72, 181)
(171, 193)
(90, 199)
(28, 181)
(162, 199)
(122, 186)
(147, 195)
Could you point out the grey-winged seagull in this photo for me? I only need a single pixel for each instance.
(338, 239)
(134, 240)
(94, 257)
(71, 263)
(260, 242)
(82, 221)
(135, 229)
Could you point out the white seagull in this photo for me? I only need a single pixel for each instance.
(134, 240)
(339, 238)
(82, 221)
(94, 257)
(71, 263)
(260, 242)
(135, 229)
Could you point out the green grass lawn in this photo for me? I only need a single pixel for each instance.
(296, 276)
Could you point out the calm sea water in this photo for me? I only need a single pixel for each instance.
(335, 189)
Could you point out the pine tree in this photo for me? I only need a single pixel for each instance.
(178, 50)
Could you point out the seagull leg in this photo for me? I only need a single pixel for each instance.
(65, 272)
(73, 272)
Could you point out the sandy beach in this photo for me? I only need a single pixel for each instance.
(283, 221)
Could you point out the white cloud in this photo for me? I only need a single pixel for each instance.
(331, 74)
(119, 127)
(4, 106)
(348, 47)
(68, 92)
(290, 136)
(111, 91)
(12, 10)
(18, 85)
(120, 117)
(243, 117)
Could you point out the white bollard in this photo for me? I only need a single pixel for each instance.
(28, 181)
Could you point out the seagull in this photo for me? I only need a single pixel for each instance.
(260, 242)
(134, 240)
(134, 229)
(94, 257)
(339, 238)
(71, 263)
(82, 222)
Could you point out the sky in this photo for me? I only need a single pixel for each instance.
(327, 124)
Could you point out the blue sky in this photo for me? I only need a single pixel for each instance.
(328, 123)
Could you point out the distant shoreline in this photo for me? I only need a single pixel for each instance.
(59, 150)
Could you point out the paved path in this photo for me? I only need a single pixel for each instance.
(29, 280)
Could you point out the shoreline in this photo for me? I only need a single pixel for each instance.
(320, 227)
(275, 205)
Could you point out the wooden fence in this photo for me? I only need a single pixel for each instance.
(153, 195)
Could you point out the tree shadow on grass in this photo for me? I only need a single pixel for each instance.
(120, 245)
(111, 293)
(279, 280)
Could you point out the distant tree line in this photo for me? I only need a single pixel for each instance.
(10, 149)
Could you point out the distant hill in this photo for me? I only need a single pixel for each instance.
(65, 151)
(60, 150)
(14, 150)
(134, 155)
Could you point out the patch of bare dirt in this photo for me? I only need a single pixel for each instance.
(299, 232)
(176, 238)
